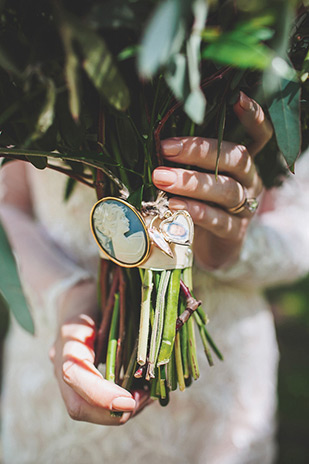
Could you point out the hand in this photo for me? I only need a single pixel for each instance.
(86, 394)
(219, 234)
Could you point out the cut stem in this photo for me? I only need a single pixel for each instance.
(157, 328)
(170, 318)
(145, 317)
(112, 343)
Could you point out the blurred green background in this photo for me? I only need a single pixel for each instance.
(291, 310)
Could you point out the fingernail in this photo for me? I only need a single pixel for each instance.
(245, 102)
(175, 203)
(163, 176)
(171, 147)
(123, 403)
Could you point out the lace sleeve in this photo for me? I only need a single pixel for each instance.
(46, 271)
(276, 249)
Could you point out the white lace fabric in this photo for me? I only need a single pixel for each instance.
(226, 417)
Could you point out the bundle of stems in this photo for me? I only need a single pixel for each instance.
(162, 354)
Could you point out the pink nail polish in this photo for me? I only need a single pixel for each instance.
(123, 403)
(245, 102)
(164, 176)
(171, 147)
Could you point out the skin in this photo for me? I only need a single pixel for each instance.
(219, 237)
(218, 234)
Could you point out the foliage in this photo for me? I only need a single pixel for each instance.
(98, 83)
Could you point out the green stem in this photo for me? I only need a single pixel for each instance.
(183, 332)
(123, 175)
(192, 350)
(179, 368)
(162, 379)
(171, 310)
(145, 317)
(112, 342)
(128, 376)
(213, 345)
(203, 338)
(157, 328)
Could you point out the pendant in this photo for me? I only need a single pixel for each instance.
(120, 232)
(178, 228)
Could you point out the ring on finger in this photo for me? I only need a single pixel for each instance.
(249, 204)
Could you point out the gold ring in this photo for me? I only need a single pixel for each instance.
(251, 204)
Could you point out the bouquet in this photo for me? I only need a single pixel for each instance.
(97, 86)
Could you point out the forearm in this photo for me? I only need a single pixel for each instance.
(43, 267)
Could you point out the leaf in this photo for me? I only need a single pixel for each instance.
(69, 187)
(235, 52)
(101, 68)
(10, 287)
(195, 104)
(4, 317)
(39, 163)
(176, 76)
(135, 199)
(47, 113)
(284, 111)
(163, 36)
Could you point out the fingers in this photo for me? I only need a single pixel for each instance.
(87, 395)
(256, 124)
(224, 191)
(234, 160)
(215, 220)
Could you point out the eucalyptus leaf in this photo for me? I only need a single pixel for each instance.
(235, 52)
(10, 286)
(47, 113)
(176, 76)
(195, 106)
(284, 111)
(100, 66)
(163, 37)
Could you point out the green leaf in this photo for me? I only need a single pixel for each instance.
(47, 113)
(176, 76)
(69, 187)
(101, 68)
(163, 37)
(235, 52)
(39, 163)
(135, 199)
(10, 287)
(284, 111)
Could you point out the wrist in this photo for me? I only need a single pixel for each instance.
(80, 298)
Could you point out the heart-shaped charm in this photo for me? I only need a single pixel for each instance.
(178, 228)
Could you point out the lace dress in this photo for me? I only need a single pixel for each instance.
(227, 416)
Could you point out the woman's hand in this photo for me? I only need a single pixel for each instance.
(219, 233)
(86, 394)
